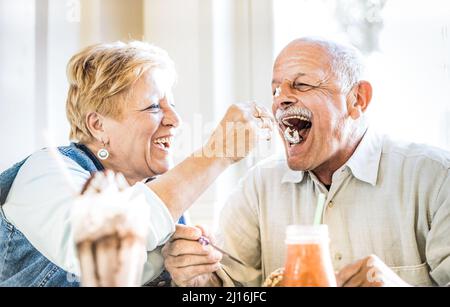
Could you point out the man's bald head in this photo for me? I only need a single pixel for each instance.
(345, 61)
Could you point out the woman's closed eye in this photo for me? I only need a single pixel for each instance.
(155, 107)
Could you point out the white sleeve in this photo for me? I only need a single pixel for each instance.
(162, 225)
(40, 202)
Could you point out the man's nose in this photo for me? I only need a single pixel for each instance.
(285, 96)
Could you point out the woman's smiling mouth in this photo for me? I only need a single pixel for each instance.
(164, 142)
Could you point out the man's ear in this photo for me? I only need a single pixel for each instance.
(95, 124)
(359, 99)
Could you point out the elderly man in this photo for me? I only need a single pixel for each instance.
(387, 204)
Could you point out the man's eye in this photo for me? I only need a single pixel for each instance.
(303, 87)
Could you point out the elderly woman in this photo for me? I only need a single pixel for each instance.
(122, 117)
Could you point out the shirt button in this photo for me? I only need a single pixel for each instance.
(330, 204)
(338, 256)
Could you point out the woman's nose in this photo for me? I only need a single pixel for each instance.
(171, 118)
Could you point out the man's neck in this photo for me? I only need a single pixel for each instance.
(325, 171)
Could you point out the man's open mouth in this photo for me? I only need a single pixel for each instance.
(295, 124)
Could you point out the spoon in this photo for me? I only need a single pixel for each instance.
(205, 241)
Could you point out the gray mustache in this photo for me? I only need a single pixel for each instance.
(293, 110)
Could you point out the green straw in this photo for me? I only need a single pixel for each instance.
(319, 209)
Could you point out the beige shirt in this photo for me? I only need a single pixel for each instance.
(389, 199)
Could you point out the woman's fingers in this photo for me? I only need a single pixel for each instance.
(239, 130)
(265, 122)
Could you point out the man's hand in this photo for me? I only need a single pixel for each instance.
(368, 272)
(190, 263)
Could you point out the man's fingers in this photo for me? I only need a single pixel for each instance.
(349, 271)
(185, 274)
(367, 272)
(188, 260)
(356, 280)
(364, 279)
(186, 232)
(186, 247)
(205, 230)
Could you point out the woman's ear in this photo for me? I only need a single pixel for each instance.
(360, 99)
(95, 124)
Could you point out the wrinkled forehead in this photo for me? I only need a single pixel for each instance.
(154, 85)
(302, 58)
(161, 79)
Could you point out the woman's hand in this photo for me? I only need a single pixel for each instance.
(238, 132)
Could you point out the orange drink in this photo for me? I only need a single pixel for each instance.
(308, 262)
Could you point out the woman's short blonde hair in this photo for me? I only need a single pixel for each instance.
(101, 76)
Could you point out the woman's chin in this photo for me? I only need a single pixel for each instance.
(160, 167)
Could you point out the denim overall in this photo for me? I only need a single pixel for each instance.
(21, 265)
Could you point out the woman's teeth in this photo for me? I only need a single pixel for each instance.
(164, 142)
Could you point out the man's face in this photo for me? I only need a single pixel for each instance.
(309, 105)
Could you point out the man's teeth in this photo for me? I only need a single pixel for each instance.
(292, 136)
(286, 119)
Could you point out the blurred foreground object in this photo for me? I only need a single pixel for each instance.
(110, 229)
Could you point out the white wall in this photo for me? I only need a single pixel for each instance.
(62, 42)
(37, 39)
(17, 105)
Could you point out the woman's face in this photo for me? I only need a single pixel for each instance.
(140, 142)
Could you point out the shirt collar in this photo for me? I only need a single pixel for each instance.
(364, 162)
(291, 176)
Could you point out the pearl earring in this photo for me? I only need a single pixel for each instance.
(103, 153)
